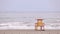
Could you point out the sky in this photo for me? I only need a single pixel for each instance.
(30, 5)
(10, 10)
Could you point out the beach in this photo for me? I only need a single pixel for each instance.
(29, 32)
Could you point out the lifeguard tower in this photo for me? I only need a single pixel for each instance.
(39, 24)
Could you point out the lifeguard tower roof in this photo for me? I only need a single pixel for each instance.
(40, 19)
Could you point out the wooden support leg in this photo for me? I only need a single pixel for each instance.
(36, 28)
(42, 28)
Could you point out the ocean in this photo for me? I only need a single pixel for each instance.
(18, 20)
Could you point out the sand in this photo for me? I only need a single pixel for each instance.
(29, 32)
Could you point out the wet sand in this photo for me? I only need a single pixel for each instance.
(29, 32)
